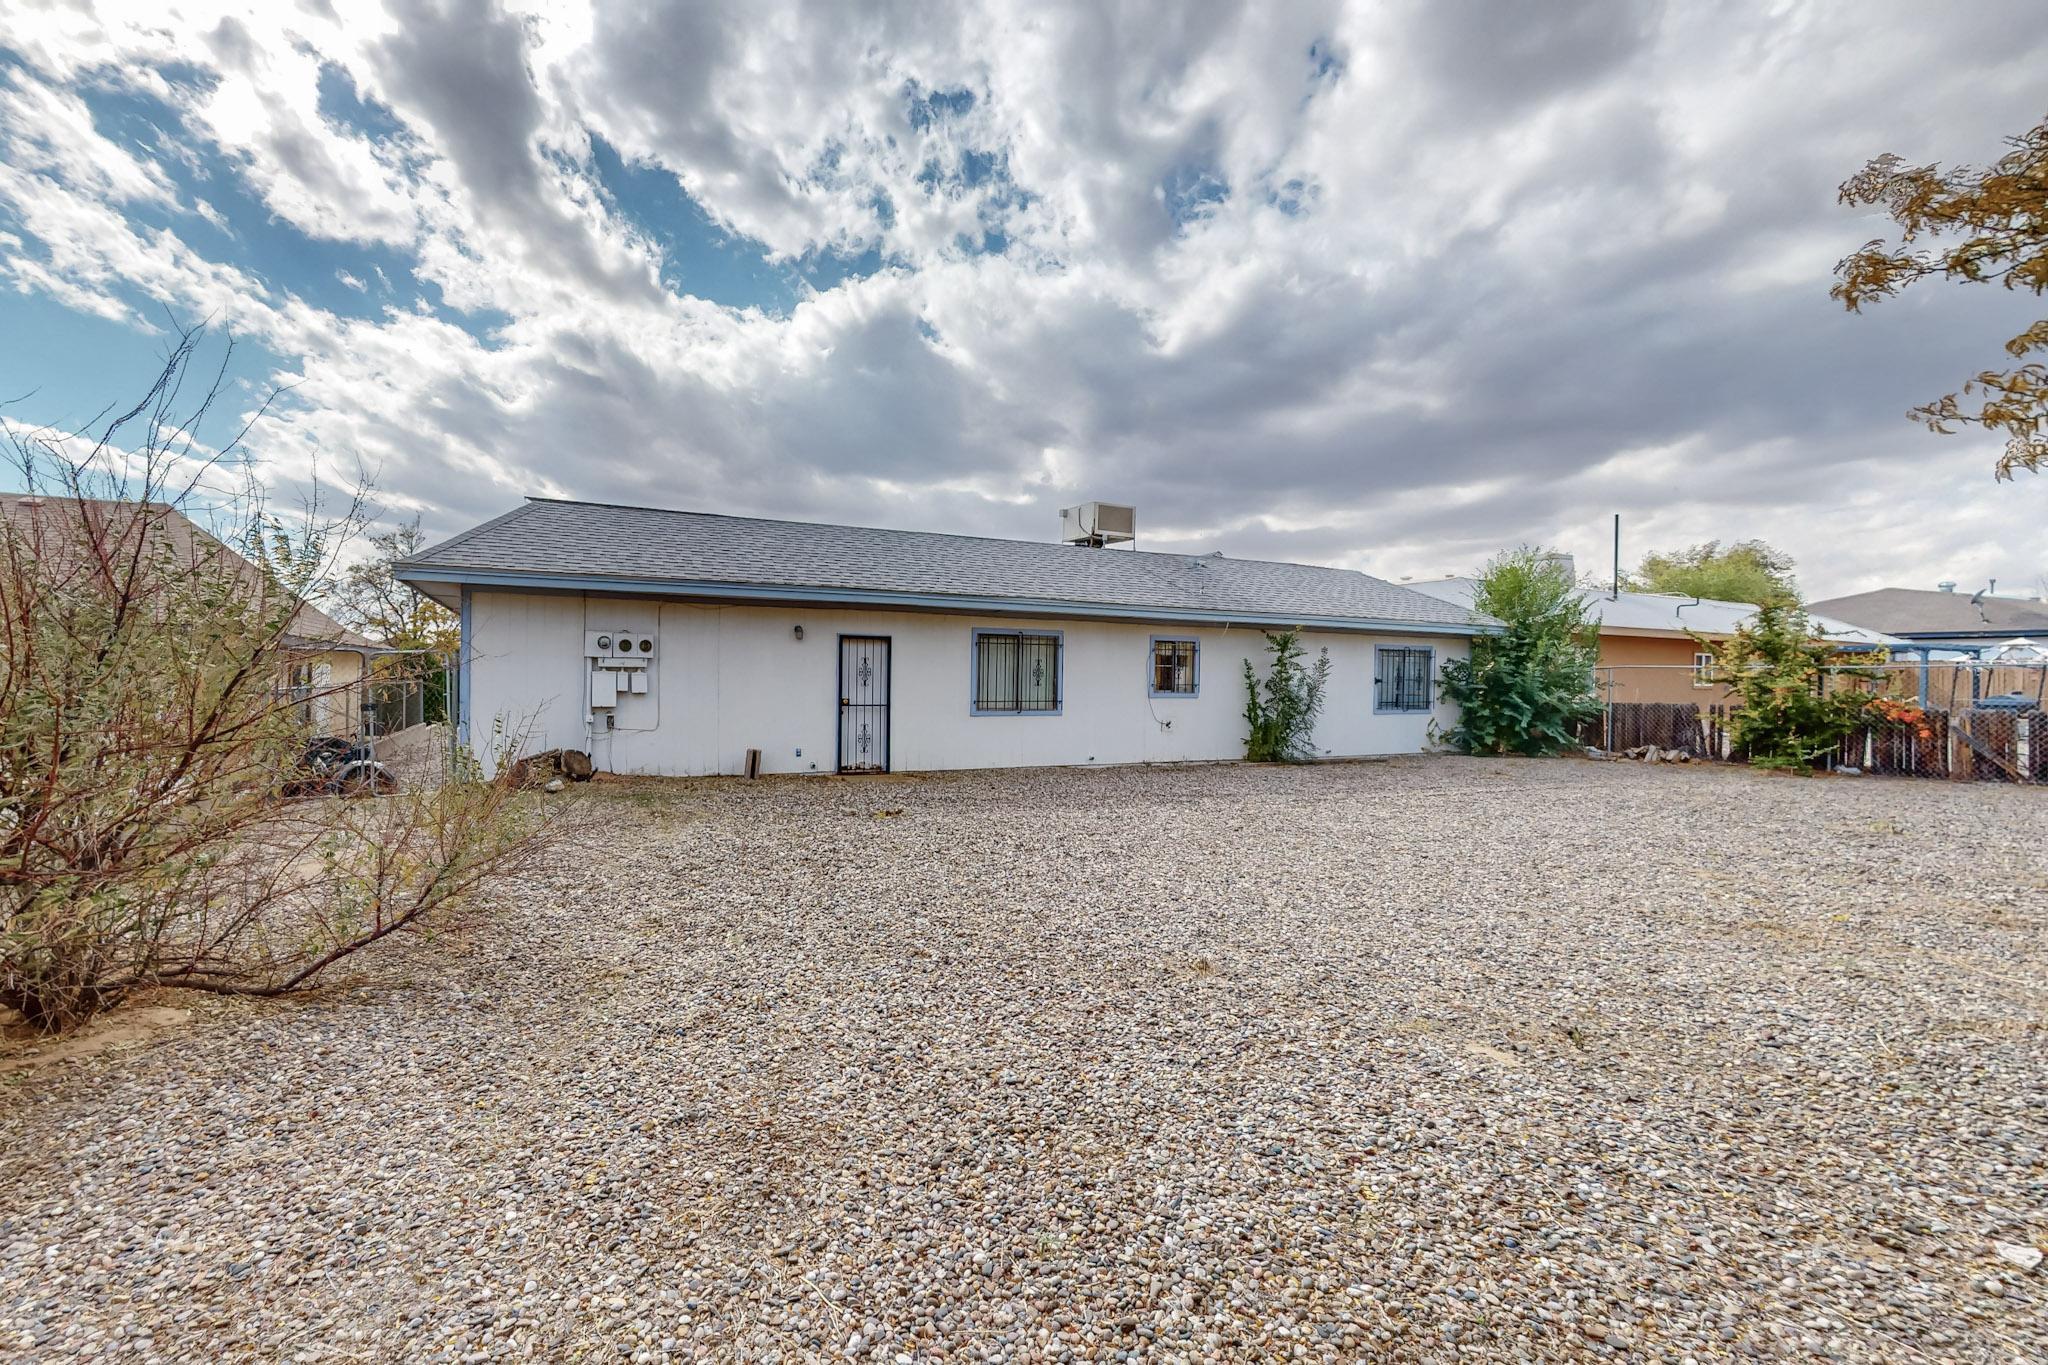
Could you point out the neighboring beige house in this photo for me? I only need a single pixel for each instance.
(1651, 643)
(329, 665)
(328, 662)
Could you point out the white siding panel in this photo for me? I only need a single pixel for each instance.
(729, 678)
(527, 678)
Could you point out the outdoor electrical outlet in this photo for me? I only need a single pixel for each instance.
(799, 753)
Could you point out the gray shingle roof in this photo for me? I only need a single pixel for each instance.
(615, 544)
(1673, 614)
(1914, 611)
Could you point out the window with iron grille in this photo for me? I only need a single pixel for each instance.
(1403, 677)
(1702, 669)
(1016, 673)
(1174, 668)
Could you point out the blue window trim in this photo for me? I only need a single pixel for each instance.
(463, 653)
(1059, 682)
(1429, 672)
(1151, 675)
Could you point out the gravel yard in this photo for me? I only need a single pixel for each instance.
(1519, 1060)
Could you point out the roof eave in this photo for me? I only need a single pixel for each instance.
(314, 644)
(2000, 634)
(1661, 632)
(761, 594)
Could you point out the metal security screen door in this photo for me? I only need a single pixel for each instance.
(863, 704)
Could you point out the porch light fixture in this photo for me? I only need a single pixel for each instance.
(799, 632)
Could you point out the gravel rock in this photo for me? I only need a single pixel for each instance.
(2026, 1258)
(1433, 1058)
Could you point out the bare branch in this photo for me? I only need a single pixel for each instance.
(149, 751)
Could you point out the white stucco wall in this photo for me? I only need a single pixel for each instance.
(729, 678)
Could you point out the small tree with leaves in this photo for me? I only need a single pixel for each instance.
(1997, 216)
(1747, 571)
(1790, 710)
(369, 596)
(1529, 688)
(1281, 712)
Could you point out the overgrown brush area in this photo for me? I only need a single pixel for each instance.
(154, 824)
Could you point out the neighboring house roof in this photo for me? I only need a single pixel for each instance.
(310, 628)
(1913, 612)
(550, 543)
(1669, 614)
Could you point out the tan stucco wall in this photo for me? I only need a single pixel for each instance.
(344, 709)
(1651, 668)
(336, 701)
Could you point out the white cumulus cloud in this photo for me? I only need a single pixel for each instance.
(1388, 285)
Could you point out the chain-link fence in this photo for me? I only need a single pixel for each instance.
(358, 708)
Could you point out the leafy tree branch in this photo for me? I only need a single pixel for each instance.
(1996, 221)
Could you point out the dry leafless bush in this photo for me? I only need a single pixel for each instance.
(148, 835)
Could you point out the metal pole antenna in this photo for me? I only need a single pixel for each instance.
(1615, 595)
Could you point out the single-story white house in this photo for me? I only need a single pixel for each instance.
(666, 642)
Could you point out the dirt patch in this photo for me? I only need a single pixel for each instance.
(417, 754)
(23, 1049)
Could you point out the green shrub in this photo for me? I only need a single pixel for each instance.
(1525, 691)
(1785, 716)
(1281, 712)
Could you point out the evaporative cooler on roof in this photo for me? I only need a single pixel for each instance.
(1098, 523)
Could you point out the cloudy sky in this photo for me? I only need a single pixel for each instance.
(1384, 284)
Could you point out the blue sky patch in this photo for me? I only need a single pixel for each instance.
(979, 168)
(701, 257)
(825, 270)
(344, 106)
(254, 240)
(1192, 192)
(988, 174)
(62, 368)
(1323, 62)
(1293, 197)
(928, 107)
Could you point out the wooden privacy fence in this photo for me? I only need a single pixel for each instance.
(1955, 685)
(1668, 725)
(1982, 744)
